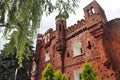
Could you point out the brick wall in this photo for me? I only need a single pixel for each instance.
(103, 50)
(112, 44)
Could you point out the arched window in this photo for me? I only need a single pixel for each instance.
(77, 49)
(47, 38)
(47, 56)
(92, 10)
(88, 43)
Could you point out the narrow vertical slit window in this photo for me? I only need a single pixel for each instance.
(81, 50)
(88, 44)
(68, 78)
(48, 37)
(45, 39)
(60, 27)
(90, 12)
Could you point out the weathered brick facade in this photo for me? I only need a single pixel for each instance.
(100, 44)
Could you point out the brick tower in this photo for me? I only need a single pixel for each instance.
(60, 38)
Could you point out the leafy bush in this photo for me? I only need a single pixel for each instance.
(88, 73)
(50, 74)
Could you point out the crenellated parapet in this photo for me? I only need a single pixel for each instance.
(46, 38)
(50, 30)
(73, 28)
(94, 22)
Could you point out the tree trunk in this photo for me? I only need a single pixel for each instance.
(16, 73)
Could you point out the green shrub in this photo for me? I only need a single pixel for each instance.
(88, 73)
(50, 74)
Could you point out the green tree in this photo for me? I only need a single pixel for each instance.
(48, 73)
(59, 76)
(88, 73)
(23, 19)
(8, 66)
(2, 12)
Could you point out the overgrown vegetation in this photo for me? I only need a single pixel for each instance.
(23, 19)
(50, 74)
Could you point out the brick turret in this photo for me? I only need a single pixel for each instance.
(95, 19)
(60, 37)
(94, 9)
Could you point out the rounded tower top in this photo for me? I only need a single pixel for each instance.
(60, 18)
(60, 23)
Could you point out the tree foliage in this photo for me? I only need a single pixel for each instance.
(50, 74)
(2, 12)
(88, 73)
(23, 20)
(59, 76)
(9, 64)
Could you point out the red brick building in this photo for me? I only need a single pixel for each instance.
(94, 39)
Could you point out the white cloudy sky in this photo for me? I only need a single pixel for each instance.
(111, 8)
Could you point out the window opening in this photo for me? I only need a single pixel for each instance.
(92, 10)
(77, 49)
(81, 50)
(77, 75)
(60, 27)
(68, 55)
(47, 56)
(89, 44)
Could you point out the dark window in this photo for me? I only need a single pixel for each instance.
(89, 45)
(81, 50)
(60, 27)
(80, 76)
(68, 55)
(90, 11)
(68, 78)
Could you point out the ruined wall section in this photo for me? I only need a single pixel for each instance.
(112, 44)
